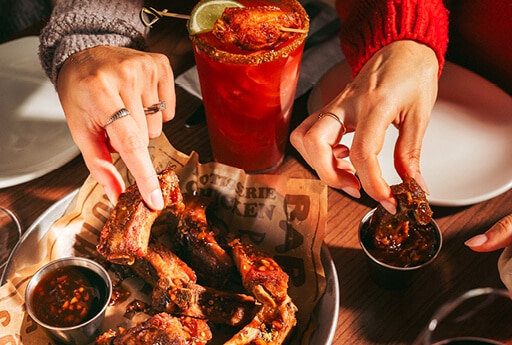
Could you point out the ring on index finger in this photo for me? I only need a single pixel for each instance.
(155, 108)
(117, 115)
(334, 116)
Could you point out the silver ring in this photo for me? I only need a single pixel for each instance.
(155, 108)
(334, 116)
(119, 114)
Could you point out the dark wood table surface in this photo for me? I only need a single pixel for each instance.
(368, 314)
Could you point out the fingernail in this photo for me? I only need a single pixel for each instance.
(421, 181)
(389, 206)
(353, 192)
(156, 199)
(476, 241)
(111, 196)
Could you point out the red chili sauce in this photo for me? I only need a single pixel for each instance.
(68, 296)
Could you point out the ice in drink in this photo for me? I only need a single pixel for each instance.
(248, 95)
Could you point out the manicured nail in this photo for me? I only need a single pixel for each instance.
(111, 196)
(353, 192)
(421, 181)
(156, 199)
(476, 241)
(389, 206)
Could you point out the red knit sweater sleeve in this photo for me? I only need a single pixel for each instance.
(368, 25)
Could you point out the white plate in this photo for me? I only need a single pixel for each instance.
(25, 255)
(467, 150)
(34, 136)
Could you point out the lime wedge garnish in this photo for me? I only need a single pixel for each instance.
(205, 14)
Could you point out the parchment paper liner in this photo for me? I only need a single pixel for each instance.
(285, 217)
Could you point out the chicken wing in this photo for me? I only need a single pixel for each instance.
(264, 278)
(199, 246)
(161, 328)
(255, 28)
(204, 303)
(175, 290)
(126, 233)
(391, 230)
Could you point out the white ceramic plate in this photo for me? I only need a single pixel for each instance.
(34, 137)
(25, 255)
(467, 149)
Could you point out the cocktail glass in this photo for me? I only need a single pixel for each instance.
(248, 96)
(474, 318)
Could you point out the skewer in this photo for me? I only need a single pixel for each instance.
(165, 13)
(158, 14)
(300, 31)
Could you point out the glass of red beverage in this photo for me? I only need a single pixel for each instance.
(248, 95)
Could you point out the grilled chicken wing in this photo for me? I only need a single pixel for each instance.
(391, 230)
(160, 263)
(126, 233)
(183, 306)
(270, 326)
(204, 303)
(200, 248)
(161, 328)
(175, 290)
(264, 278)
(255, 28)
(261, 275)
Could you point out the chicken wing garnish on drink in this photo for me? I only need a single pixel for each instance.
(256, 28)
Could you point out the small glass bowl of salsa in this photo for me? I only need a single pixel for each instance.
(68, 298)
(394, 267)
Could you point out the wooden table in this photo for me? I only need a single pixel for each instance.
(368, 314)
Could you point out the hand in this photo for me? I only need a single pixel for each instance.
(497, 237)
(93, 85)
(398, 86)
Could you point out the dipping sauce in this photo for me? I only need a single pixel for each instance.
(420, 245)
(68, 296)
(407, 238)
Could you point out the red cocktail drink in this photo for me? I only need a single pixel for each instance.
(248, 95)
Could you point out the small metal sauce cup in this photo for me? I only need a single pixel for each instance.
(85, 332)
(394, 277)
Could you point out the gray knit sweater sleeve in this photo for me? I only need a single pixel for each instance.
(76, 25)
